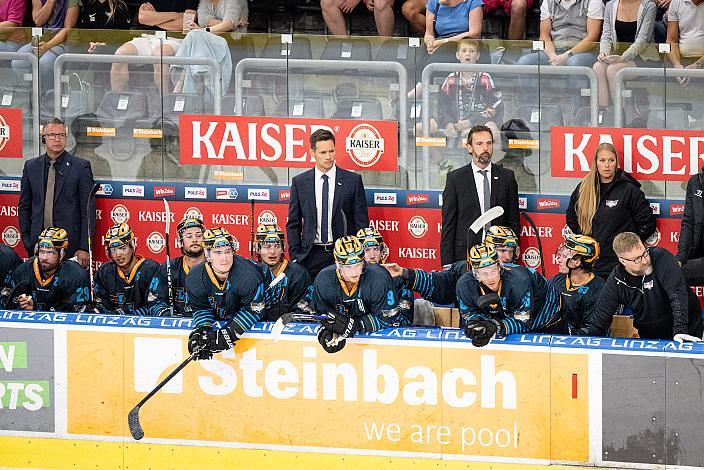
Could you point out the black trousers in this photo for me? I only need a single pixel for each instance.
(693, 271)
(318, 258)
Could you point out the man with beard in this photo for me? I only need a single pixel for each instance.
(471, 191)
(649, 283)
(498, 300)
(353, 295)
(376, 252)
(190, 237)
(48, 281)
(293, 288)
(122, 284)
(225, 287)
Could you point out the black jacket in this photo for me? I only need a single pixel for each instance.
(690, 243)
(622, 208)
(661, 303)
(460, 208)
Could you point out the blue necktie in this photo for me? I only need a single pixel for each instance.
(324, 216)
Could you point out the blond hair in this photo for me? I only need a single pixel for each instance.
(626, 241)
(588, 198)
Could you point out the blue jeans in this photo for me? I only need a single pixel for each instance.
(46, 66)
(530, 85)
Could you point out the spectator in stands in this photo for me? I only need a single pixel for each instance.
(11, 16)
(516, 9)
(569, 30)
(650, 284)
(451, 21)
(55, 191)
(59, 17)
(607, 202)
(685, 34)
(165, 15)
(103, 14)
(690, 248)
(626, 41)
(219, 16)
(414, 12)
(334, 10)
(516, 143)
(468, 98)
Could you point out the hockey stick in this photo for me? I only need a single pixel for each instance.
(91, 299)
(133, 416)
(537, 237)
(169, 282)
(289, 317)
(486, 218)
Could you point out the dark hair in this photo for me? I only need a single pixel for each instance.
(321, 135)
(476, 129)
(54, 122)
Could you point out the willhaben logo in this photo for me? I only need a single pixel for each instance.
(11, 236)
(193, 212)
(531, 257)
(267, 218)
(365, 145)
(119, 214)
(156, 242)
(284, 195)
(676, 209)
(417, 226)
(544, 203)
(164, 191)
(412, 199)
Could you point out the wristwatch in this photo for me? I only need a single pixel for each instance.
(570, 53)
(207, 29)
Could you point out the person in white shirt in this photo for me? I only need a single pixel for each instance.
(685, 34)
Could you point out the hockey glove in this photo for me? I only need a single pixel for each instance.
(490, 305)
(342, 324)
(326, 338)
(222, 339)
(481, 332)
(198, 341)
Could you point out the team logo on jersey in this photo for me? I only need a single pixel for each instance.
(267, 218)
(649, 284)
(417, 226)
(193, 212)
(156, 242)
(531, 257)
(654, 239)
(611, 202)
(365, 145)
(119, 214)
(11, 236)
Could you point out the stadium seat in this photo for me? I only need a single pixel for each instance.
(358, 108)
(347, 49)
(252, 105)
(73, 104)
(275, 49)
(306, 107)
(181, 103)
(540, 118)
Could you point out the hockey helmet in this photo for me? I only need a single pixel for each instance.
(218, 237)
(189, 222)
(481, 256)
(269, 233)
(499, 235)
(582, 245)
(369, 236)
(53, 238)
(119, 235)
(348, 250)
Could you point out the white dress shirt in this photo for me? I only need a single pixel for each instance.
(479, 183)
(319, 201)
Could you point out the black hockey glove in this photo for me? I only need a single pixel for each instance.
(490, 305)
(198, 341)
(342, 324)
(481, 331)
(325, 337)
(222, 339)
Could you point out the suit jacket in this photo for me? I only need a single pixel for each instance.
(74, 181)
(460, 208)
(349, 202)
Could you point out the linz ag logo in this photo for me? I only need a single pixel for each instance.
(548, 203)
(676, 209)
(11, 236)
(388, 199)
(164, 191)
(413, 199)
(156, 242)
(284, 195)
(226, 193)
(417, 226)
(531, 257)
(105, 189)
(119, 214)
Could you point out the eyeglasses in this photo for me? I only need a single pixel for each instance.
(640, 258)
(54, 136)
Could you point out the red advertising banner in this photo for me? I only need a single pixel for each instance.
(648, 154)
(284, 142)
(10, 133)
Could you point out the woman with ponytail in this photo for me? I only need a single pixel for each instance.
(607, 202)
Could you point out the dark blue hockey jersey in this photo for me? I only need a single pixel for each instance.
(158, 299)
(129, 293)
(67, 290)
(288, 292)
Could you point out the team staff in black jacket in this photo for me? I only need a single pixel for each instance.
(650, 283)
(607, 202)
(690, 248)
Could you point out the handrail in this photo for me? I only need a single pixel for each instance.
(313, 67)
(502, 69)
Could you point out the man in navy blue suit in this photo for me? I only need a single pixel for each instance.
(326, 203)
(55, 190)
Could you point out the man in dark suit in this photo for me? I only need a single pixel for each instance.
(471, 191)
(326, 203)
(55, 191)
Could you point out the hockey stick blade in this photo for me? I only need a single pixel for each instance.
(134, 425)
(486, 218)
(277, 279)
